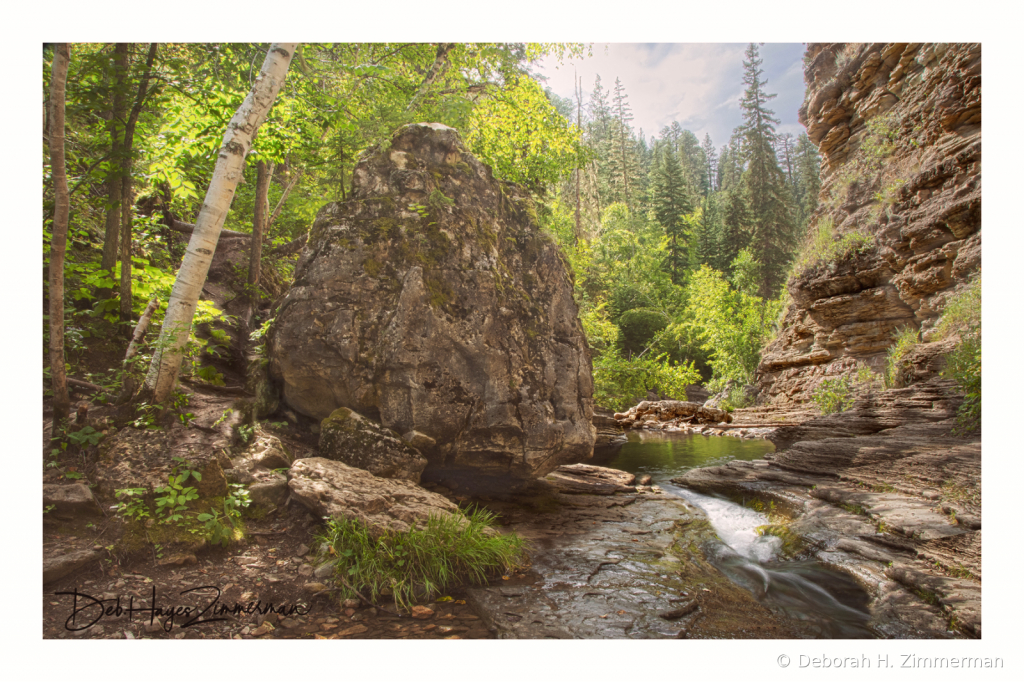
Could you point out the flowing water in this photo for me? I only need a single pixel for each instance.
(830, 603)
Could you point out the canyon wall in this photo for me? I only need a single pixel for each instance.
(898, 127)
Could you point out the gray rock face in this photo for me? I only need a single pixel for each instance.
(351, 438)
(430, 301)
(334, 489)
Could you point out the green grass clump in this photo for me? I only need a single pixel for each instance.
(962, 317)
(419, 563)
(833, 395)
(904, 341)
(823, 246)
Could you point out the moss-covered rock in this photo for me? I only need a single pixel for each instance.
(348, 437)
(431, 301)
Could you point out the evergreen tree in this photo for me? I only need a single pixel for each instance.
(772, 237)
(710, 165)
(808, 180)
(671, 203)
(692, 158)
(625, 161)
(734, 234)
(706, 236)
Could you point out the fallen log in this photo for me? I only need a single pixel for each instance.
(84, 385)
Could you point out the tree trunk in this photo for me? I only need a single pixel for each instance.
(579, 126)
(58, 243)
(126, 194)
(116, 126)
(264, 171)
(163, 372)
(284, 197)
(436, 70)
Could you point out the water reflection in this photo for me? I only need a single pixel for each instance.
(831, 602)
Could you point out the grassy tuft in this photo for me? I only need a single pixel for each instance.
(823, 246)
(904, 341)
(421, 562)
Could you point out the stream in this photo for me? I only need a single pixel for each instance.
(829, 604)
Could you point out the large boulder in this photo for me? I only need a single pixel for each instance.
(431, 301)
(334, 489)
(351, 438)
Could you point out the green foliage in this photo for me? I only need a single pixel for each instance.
(221, 534)
(85, 436)
(896, 369)
(737, 398)
(638, 328)
(173, 498)
(883, 132)
(833, 395)
(132, 503)
(421, 562)
(962, 318)
(823, 247)
(731, 325)
(622, 382)
(522, 136)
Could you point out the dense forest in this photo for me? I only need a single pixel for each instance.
(679, 247)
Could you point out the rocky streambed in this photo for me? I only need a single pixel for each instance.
(862, 524)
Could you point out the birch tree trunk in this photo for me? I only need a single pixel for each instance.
(163, 372)
(58, 243)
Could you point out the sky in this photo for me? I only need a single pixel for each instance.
(698, 85)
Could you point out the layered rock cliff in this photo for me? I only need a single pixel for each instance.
(899, 132)
(430, 301)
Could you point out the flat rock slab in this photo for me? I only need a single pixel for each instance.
(912, 517)
(330, 488)
(70, 501)
(57, 567)
(587, 478)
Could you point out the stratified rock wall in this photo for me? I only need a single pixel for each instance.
(430, 301)
(899, 132)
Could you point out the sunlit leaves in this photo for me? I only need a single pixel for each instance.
(522, 136)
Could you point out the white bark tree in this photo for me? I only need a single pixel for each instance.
(163, 372)
(58, 242)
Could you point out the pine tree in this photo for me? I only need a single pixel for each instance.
(734, 234)
(706, 237)
(710, 165)
(772, 237)
(808, 180)
(694, 167)
(671, 203)
(625, 160)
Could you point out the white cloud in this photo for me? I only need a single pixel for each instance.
(698, 85)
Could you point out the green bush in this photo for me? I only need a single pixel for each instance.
(833, 395)
(419, 563)
(962, 317)
(736, 399)
(620, 382)
(904, 341)
(638, 327)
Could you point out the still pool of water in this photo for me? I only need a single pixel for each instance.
(804, 589)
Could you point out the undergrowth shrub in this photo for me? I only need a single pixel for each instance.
(896, 369)
(419, 563)
(620, 383)
(833, 395)
(962, 317)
